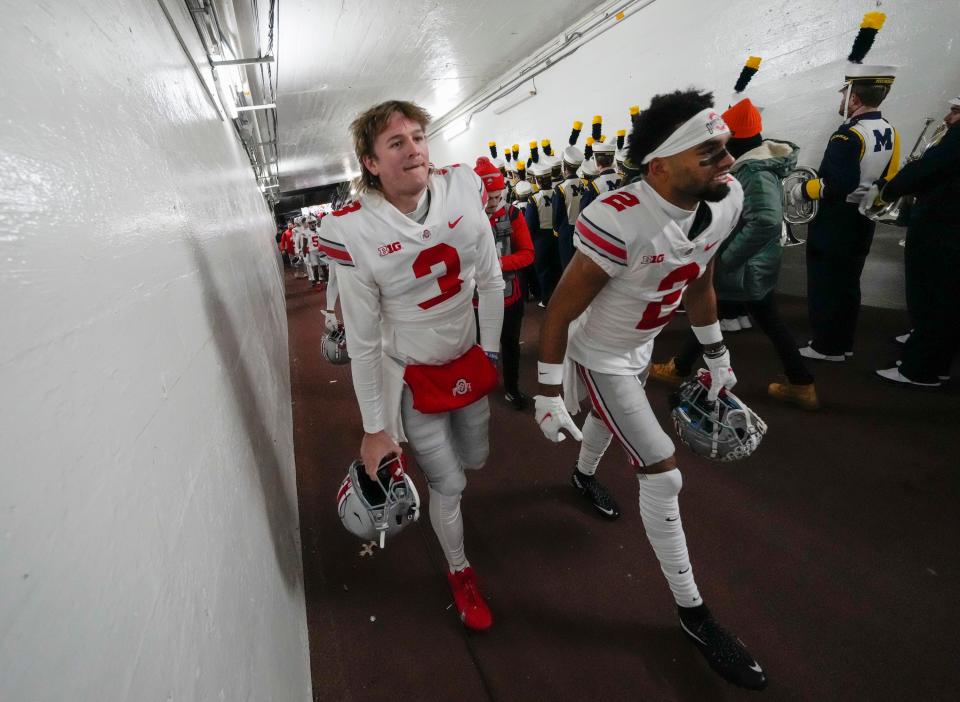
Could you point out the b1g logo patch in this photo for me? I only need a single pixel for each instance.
(389, 248)
(655, 258)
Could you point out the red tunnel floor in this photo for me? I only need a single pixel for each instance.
(832, 552)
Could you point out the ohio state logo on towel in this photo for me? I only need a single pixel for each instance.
(453, 385)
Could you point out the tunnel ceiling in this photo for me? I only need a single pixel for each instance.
(336, 58)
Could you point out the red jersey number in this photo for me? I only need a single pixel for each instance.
(450, 283)
(653, 315)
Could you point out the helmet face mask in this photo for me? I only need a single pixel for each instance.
(334, 347)
(371, 509)
(725, 430)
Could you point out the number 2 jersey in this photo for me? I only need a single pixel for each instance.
(406, 288)
(639, 240)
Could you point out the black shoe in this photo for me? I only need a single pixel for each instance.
(518, 400)
(590, 487)
(725, 653)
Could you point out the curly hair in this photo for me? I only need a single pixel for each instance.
(656, 123)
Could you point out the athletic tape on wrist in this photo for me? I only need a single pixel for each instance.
(550, 373)
(709, 334)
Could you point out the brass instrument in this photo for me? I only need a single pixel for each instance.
(804, 210)
(895, 212)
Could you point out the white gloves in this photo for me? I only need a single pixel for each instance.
(721, 374)
(871, 199)
(552, 416)
(330, 320)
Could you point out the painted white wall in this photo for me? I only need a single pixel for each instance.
(675, 44)
(148, 514)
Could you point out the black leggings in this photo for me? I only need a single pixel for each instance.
(510, 346)
(767, 316)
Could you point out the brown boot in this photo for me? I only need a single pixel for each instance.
(666, 373)
(803, 395)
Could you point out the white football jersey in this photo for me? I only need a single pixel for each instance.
(419, 278)
(650, 261)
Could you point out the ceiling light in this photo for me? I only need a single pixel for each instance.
(455, 129)
(521, 96)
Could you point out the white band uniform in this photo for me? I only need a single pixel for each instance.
(703, 126)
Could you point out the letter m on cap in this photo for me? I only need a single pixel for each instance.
(883, 142)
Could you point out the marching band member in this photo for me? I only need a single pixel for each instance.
(865, 148)
(931, 259)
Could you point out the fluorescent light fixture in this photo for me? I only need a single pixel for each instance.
(248, 108)
(242, 62)
(515, 100)
(456, 128)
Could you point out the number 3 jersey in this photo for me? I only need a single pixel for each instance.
(406, 288)
(641, 241)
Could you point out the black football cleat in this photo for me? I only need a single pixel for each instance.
(725, 653)
(592, 490)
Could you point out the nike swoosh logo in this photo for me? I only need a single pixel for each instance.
(756, 667)
(673, 519)
(607, 512)
(710, 246)
(546, 417)
(684, 627)
(454, 222)
(681, 572)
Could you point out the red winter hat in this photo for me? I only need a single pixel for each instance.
(743, 119)
(490, 175)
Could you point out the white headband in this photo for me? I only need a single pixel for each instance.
(703, 126)
(955, 102)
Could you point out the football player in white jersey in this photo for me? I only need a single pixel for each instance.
(409, 253)
(639, 250)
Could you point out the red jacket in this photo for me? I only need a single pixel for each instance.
(286, 241)
(522, 254)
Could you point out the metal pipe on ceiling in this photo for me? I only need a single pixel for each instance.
(542, 61)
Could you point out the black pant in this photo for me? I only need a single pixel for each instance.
(510, 346)
(546, 261)
(730, 309)
(838, 242)
(931, 259)
(767, 316)
(565, 245)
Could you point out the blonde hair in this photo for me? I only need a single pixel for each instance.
(367, 127)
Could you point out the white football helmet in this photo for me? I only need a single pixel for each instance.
(725, 430)
(334, 347)
(371, 509)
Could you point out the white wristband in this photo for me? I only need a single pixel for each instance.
(709, 334)
(550, 373)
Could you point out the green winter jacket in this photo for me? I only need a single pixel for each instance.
(749, 260)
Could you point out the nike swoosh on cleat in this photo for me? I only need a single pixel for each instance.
(608, 512)
(454, 222)
(684, 627)
(756, 667)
